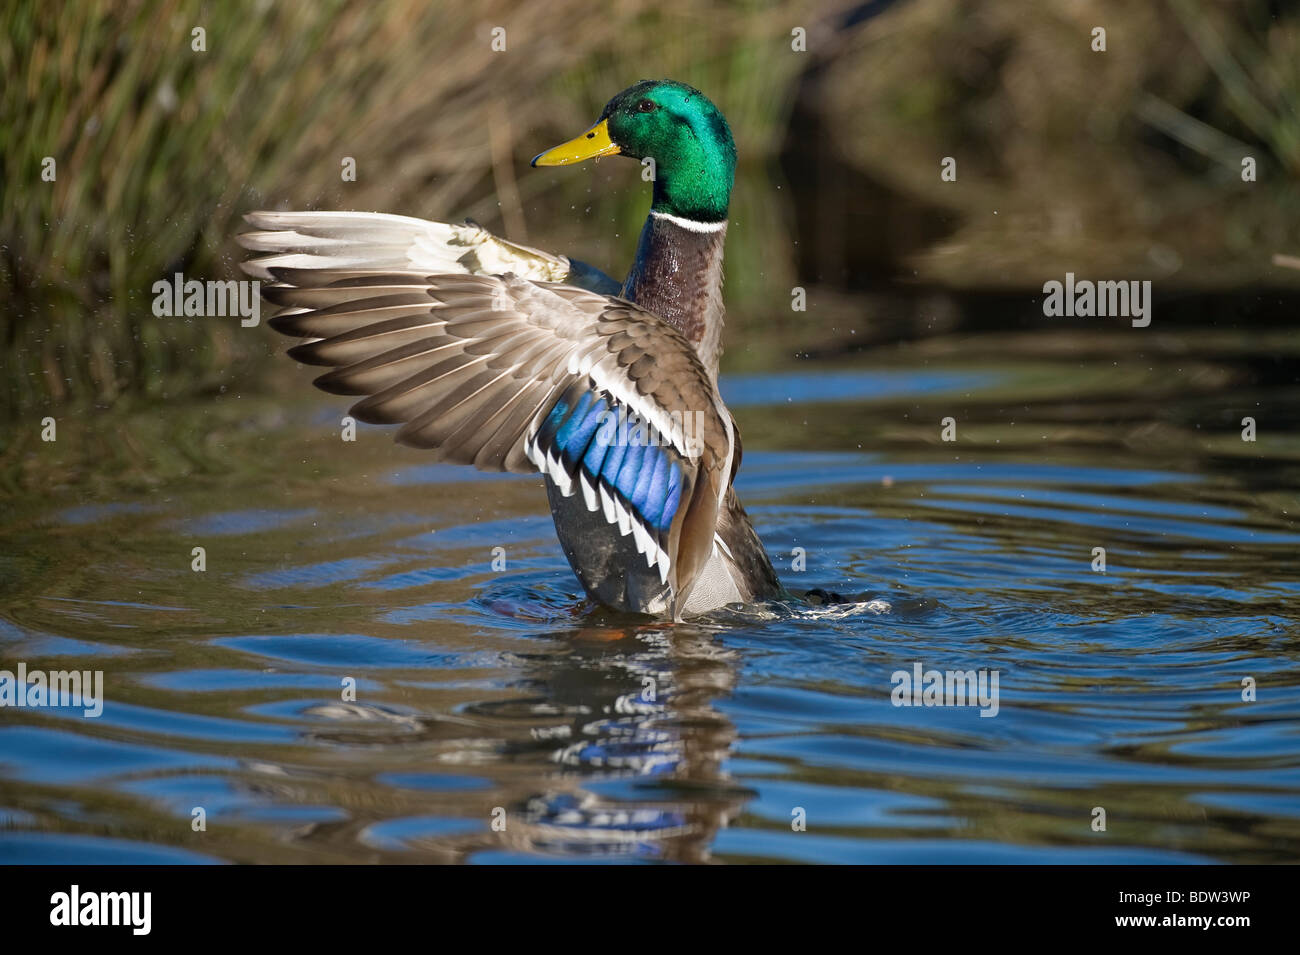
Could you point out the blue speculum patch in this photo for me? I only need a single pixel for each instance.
(597, 435)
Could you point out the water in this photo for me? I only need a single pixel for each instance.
(485, 696)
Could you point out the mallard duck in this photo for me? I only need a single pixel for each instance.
(508, 358)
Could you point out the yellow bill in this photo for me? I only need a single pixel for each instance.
(591, 144)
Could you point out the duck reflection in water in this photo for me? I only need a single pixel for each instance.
(627, 719)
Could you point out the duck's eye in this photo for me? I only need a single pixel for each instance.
(647, 106)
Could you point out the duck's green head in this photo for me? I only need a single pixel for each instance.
(676, 126)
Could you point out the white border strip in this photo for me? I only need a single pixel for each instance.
(693, 225)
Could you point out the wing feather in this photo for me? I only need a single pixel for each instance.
(379, 242)
(471, 366)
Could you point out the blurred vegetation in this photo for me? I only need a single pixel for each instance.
(1126, 162)
(1068, 159)
(161, 148)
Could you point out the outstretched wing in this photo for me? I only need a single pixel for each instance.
(382, 242)
(510, 374)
